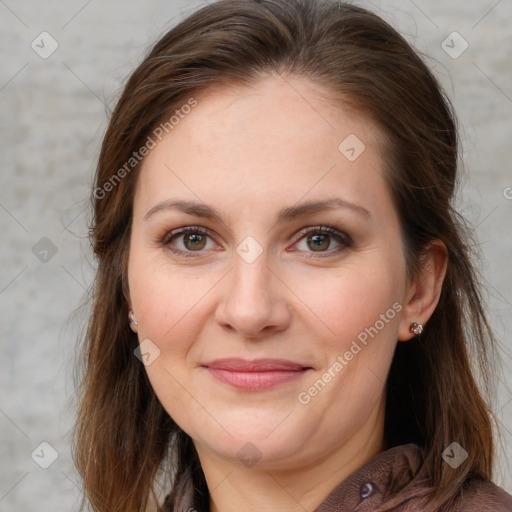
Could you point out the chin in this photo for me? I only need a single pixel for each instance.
(261, 441)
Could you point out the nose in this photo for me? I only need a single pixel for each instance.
(255, 301)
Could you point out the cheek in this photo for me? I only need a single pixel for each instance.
(166, 298)
(349, 300)
(356, 328)
(167, 301)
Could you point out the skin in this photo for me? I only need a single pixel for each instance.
(248, 152)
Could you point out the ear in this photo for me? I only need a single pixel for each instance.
(131, 316)
(424, 291)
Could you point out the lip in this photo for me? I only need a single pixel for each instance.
(255, 374)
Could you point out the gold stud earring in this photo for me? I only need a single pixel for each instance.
(416, 328)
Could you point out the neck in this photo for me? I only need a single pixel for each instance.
(234, 487)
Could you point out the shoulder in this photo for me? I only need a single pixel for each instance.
(479, 495)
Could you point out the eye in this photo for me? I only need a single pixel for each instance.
(194, 239)
(319, 239)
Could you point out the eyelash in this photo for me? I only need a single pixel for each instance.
(340, 237)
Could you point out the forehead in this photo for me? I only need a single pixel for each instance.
(271, 109)
(281, 137)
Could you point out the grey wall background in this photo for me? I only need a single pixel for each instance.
(53, 114)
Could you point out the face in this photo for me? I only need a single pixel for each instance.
(268, 323)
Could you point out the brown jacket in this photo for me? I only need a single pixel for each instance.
(400, 467)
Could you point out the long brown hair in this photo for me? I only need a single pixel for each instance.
(125, 443)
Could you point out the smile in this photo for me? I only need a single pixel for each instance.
(255, 375)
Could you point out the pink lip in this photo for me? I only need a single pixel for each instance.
(255, 375)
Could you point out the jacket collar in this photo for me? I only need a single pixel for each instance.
(391, 470)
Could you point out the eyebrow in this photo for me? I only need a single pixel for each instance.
(286, 214)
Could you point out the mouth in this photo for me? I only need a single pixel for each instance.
(256, 374)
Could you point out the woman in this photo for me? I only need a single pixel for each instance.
(285, 305)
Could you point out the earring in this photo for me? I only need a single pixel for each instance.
(416, 328)
(133, 322)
